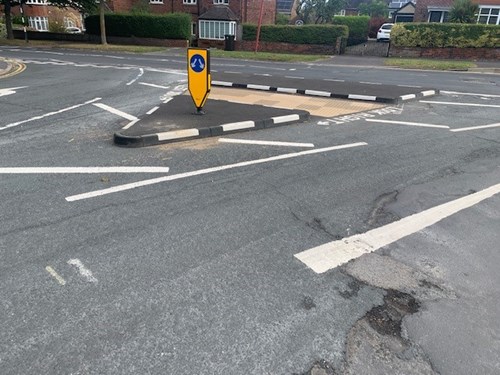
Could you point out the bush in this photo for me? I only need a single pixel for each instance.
(306, 34)
(358, 28)
(168, 26)
(445, 35)
(3, 31)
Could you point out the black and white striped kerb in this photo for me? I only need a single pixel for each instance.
(325, 94)
(213, 131)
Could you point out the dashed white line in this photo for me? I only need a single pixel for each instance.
(333, 254)
(265, 143)
(407, 123)
(153, 85)
(55, 275)
(134, 185)
(82, 170)
(461, 104)
(85, 272)
(334, 80)
(293, 77)
(152, 110)
(371, 83)
(49, 114)
(116, 111)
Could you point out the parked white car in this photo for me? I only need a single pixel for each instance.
(384, 33)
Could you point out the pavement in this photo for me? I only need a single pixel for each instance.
(176, 119)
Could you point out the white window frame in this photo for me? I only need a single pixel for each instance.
(482, 13)
(189, 2)
(216, 30)
(223, 2)
(156, 1)
(445, 13)
(36, 2)
(39, 23)
(69, 22)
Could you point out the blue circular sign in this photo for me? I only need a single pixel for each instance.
(197, 63)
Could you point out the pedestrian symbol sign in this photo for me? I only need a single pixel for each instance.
(198, 75)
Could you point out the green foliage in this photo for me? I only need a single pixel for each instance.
(17, 20)
(374, 25)
(306, 34)
(358, 28)
(140, 7)
(445, 35)
(167, 26)
(282, 19)
(319, 11)
(376, 8)
(463, 11)
(3, 31)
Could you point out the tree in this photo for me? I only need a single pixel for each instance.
(463, 11)
(377, 8)
(319, 11)
(81, 5)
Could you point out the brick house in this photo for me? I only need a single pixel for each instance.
(438, 11)
(237, 11)
(41, 16)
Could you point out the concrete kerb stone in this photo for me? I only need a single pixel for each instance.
(121, 139)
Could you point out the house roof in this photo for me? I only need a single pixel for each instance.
(408, 8)
(220, 13)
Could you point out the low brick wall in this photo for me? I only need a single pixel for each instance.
(447, 53)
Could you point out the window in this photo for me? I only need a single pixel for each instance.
(156, 1)
(438, 16)
(68, 22)
(490, 16)
(193, 28)
(216, 29)
(189, 2)
(36, 2)
(39, 23)
(221, 2)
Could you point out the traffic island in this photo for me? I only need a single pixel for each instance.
(178, 120)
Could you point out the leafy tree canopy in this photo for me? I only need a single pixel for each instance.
(376, 8)
(319, 11)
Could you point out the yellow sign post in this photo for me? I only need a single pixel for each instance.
(198, 60)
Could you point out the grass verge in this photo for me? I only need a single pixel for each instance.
(265, 56)
(429, 64)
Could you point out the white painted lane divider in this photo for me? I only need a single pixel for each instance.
(84, 272)
(333, 254)
(469, 94)
(116, 111)
(49, 114)
(82, 170)
(462, 104)
(141, 72)
(55, 275)
(10, 90)
(265, 143)
(476, 127)
(408, 123)
(153, 85)
(134, 185)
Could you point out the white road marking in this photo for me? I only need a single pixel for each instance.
(55, 275)
(130, 124)
(334, 80)
(49, 114)
(115, 111)
(418, 87)
(293, 77)
(141, 72)
(408, 123)
(333, 254)
(10, 90)
(134, 185)
(476, 127)
(82, 170)
(152, 110)
(463, 104)
(265, 143)
(469, 94)
(371, 83)
(153, 85)
(85, 272)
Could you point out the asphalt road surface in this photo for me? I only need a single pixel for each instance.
(355, 244)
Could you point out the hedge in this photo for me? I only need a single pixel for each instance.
(3, 31)
(305, 34)
(168, 26)
(358, 28)
(457, 35)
